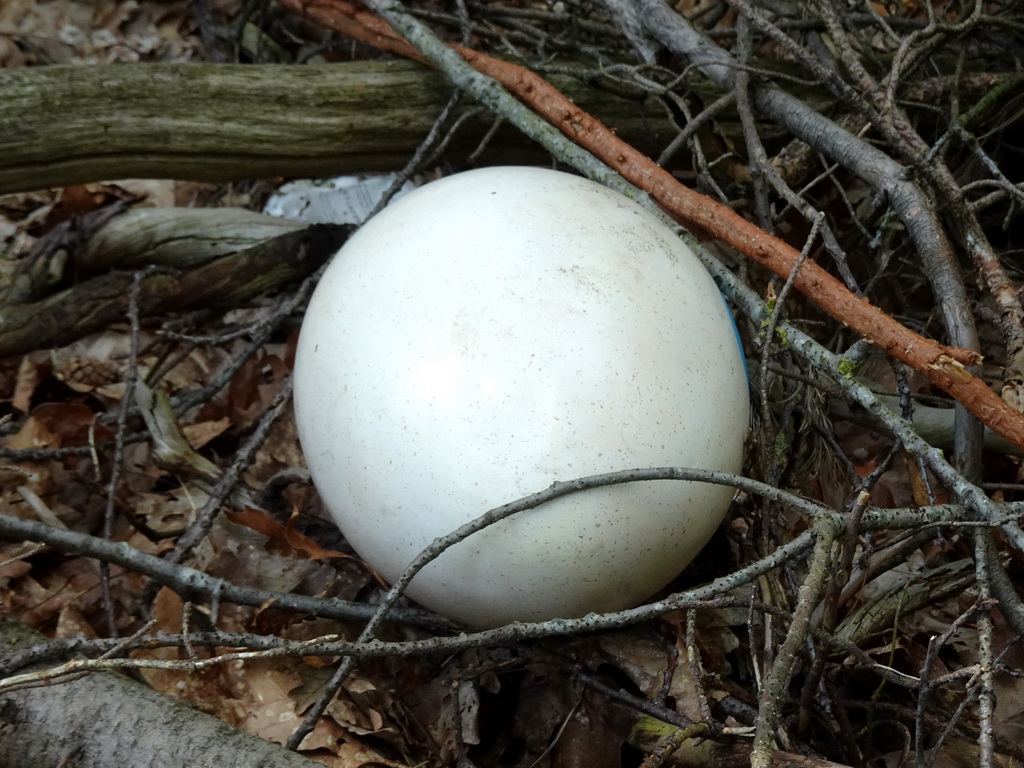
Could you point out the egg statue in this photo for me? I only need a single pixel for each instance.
(494, 332)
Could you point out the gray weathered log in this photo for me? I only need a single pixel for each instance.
(117, 237)
(62, 125)
(177, 237)
(221, 281)
(104, 720)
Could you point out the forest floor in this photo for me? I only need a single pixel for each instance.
(910, 660)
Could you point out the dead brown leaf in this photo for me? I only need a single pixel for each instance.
(59, 425)
(28, 379)
(279, 452)
(283, 540)
(202, 433)
(72, 623)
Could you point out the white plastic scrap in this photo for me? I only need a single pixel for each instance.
(342, 200)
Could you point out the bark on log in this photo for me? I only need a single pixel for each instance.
(177, 237)
(116, 237)
(105, 720)
(226, 281)
(207, 122)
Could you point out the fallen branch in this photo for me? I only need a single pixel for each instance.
(105, 719)
(836, 140)
(648, 733)
(944, 366)
(117, 237)
(190, 583)
(227, 281)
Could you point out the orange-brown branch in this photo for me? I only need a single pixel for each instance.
(942, 364)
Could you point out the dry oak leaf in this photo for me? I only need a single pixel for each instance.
(282, 540)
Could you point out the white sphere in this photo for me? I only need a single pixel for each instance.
(496, 331)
